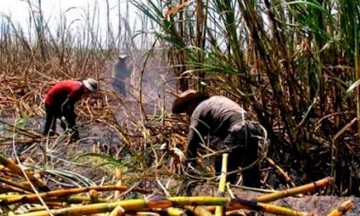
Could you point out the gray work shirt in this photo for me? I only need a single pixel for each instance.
(215, 117)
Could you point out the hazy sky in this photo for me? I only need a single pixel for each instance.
(19, 10)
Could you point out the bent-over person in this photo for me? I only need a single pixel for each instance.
(228, 126)
(60, 102)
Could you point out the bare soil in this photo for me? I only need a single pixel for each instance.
(100, 138)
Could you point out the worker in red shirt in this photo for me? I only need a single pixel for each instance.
(60, 102)
(229, 128)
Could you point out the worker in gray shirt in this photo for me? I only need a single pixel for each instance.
(229, 128)
(119, 75)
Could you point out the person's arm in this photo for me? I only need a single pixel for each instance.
(196, 134)
(73, 96)
(68, 109)
(64, 105)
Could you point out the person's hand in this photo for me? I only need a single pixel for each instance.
(175, 152)
(74, 135)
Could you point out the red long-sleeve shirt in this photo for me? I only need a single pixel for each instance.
(57, 94)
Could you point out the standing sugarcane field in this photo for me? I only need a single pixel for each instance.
(180, 107)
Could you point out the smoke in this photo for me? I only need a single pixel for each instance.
(153, 80)
(151, 83)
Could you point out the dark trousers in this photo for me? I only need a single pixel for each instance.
(54, 112)
(119, 86)
(244, 151)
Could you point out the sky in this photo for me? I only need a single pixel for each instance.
(18, 11)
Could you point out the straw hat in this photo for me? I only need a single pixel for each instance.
(90, 84)
(187, 98)
(122, 56)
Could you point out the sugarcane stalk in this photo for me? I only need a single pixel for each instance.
(118, 211)
(14, 184)
(17, 170)
(171, 211)
(62, 193)
(198, 210)
(296, 190)
(342, 209)
(222, 183)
